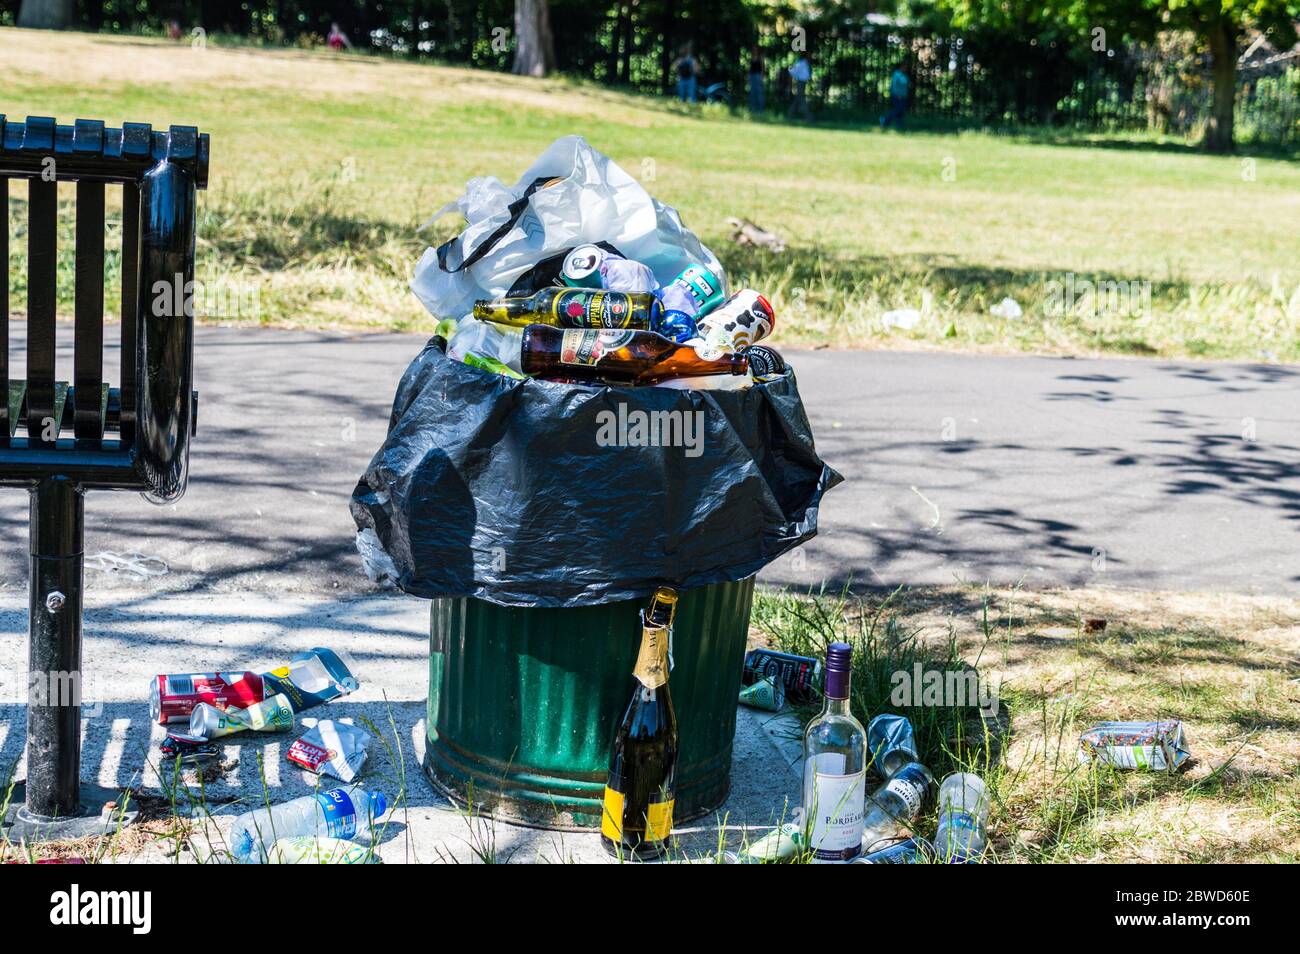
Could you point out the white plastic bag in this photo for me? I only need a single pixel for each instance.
(572, 195)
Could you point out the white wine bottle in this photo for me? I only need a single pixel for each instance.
(835, 769)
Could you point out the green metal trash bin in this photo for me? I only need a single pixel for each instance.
(523, 702)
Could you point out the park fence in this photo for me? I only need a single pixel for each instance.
(977, 80)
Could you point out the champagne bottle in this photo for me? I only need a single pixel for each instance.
(574, 308)
(638, 806)
(835, 769)
(616, 357)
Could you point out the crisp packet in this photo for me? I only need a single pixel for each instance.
(331, 748)
(1157, 746)
(310, 679)
(320, 850)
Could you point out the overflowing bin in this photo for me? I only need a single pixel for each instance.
(538, 510)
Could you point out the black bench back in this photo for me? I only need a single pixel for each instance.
(135, 437)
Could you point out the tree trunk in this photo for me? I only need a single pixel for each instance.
(46, 14)
(1223, 48)
(534, 48)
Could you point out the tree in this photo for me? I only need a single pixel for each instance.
(1221, 24)
(1218, 24)
(46, 14)
(534, 47)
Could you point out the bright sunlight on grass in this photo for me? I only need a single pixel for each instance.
(324, 167)
(1226, 666)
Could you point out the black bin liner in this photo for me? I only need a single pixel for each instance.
(502, 489)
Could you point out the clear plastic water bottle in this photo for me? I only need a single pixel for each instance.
(894, 805)
(963, 813)
(487, 340)
(345, 813)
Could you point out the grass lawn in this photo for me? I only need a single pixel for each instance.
(1226, 666)
(325, 166)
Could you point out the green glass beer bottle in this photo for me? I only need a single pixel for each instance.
(574, 308)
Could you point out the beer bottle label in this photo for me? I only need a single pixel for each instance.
(651, 667)
(588, 345)
(583, 308)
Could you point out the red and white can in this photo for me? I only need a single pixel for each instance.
(173, 697)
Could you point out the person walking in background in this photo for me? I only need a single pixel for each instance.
(687, 69)
(337, 39)
(757, 82)
(801, 75)
(898, 90)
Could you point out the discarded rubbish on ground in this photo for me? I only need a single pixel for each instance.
(797, 674)
(339, 813)
(891, 744)
(309, 679)
(331, 748)
(1157, 746)
(320, 850)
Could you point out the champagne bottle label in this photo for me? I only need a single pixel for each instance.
(588, 346)
(583, 308)
(836, 830)
(651, 667)
(611, 822)
(658, 820)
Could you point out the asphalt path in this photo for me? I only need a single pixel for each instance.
(959, 468)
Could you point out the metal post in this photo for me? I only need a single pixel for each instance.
(54, 672)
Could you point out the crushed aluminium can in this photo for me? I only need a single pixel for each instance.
(742, 320)
(798, 674)
(270, 715)
(891, 744)
(309, 679)
(912, 851)
(767, 693)
(1157, 746)
(173, 697)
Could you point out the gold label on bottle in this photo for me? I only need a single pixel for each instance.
(659, 821)
(611, 822)
(651, 667)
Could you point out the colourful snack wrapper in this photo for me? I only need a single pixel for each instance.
(1156, 746)
(331, 748)
(310, 679)
(768, 693)
(320, 850)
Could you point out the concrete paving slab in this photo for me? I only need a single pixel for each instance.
(131, 637)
